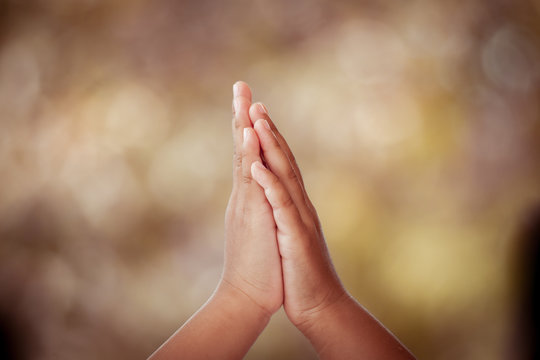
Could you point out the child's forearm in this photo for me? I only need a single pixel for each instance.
(345, 330)
(224, 328)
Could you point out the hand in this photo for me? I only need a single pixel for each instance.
(252, 263)
(310, 282)
(315, 300)
(275, 254)
(251, 286)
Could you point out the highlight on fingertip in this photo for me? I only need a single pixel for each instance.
(235, 88)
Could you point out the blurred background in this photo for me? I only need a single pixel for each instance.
(416, 124)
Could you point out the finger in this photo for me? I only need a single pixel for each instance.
(259, 111)
(279, 164)
(240, 88)
(241, 104)
(286, 215)
(250, 154)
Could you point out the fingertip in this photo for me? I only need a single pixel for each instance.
(257, 111)
(253, 113)
(263, 109)
(240, 88)
(240, 83)
(262, 123)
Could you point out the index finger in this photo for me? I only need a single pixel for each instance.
(259, 111)
(241, 104)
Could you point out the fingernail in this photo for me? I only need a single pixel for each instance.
(262, 108)
(266, 124)
(235, 89)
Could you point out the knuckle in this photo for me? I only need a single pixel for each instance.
(286, 201)
(238, 157)
(274, 182)
(246, 179)
(237, 124)
(291, 174)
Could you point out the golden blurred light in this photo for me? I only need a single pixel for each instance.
(104, 186)
(135, 117)
(371, 52)
(385, 121)
(184, 170)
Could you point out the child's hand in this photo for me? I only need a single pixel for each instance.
(252, 263)
(258, 277)
(310, 282)
(251, 286)
(314, 299)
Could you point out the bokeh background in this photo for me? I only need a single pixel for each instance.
(416, 125)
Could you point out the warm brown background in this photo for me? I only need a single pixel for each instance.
(416, 124)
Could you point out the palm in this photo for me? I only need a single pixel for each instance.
(252, 261)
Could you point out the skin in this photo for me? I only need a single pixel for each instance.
(314, 299)
(275, 254)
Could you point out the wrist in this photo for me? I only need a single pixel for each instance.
(323, 315)
(236, 302)
(344, 330)
(229, 322)
(323, 327)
